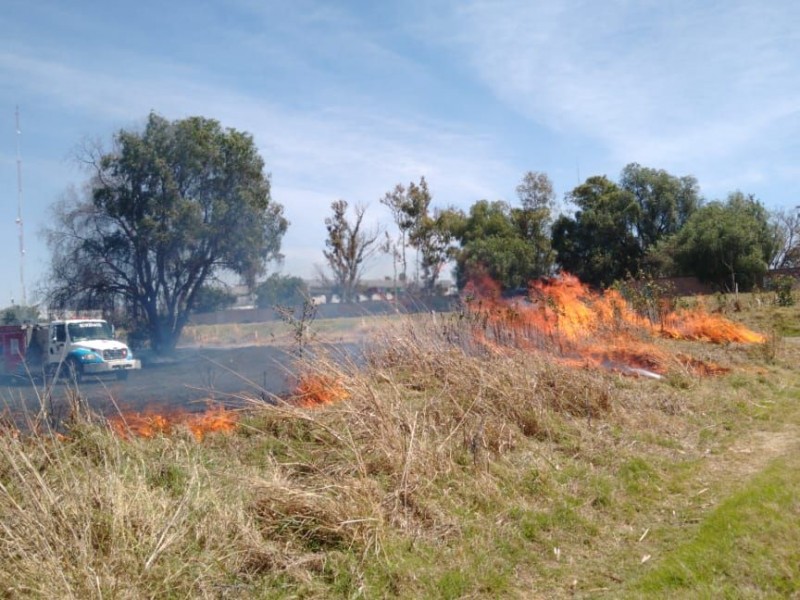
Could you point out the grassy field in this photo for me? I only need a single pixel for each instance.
(325, 331)
(441, 467)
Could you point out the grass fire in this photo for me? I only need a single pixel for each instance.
(521, 446)
(560, 318)
(153, 423)
(563, 318)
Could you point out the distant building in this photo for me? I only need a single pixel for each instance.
(244, 298)
(374, 289)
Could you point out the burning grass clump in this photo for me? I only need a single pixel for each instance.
(159, 423)
(319, 389)
(361, 472)
(422, 409)
(570, 323)
(431, 430)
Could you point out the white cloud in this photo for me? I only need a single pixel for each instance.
(676, 83)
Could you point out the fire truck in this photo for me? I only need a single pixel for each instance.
(64, 348)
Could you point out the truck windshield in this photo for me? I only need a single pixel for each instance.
(89, 330)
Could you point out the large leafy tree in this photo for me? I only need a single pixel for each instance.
(349, 246)
(511, 244)
(535, 219)
(281, 290)
(665, 202)
(492, 242)
(211, 298)
(728, 243)
(168, 208)
(621, 228)
(599, 243)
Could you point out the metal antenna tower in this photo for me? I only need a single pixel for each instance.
(23, 300)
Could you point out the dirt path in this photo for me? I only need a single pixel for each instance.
(751, 454)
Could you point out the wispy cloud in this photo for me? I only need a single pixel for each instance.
(676, 84)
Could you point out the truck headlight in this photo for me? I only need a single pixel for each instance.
(90, 357)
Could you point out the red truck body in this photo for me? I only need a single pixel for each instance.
(13, 344)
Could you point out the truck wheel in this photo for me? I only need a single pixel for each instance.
(122, 374)
(11, 380)
(75, 370)
(50, 372)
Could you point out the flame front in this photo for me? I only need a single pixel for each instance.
(315, 390)
(564, 317)
(561, 317)
(700, 325)
(151, 424)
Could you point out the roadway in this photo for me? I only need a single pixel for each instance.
(189, 381)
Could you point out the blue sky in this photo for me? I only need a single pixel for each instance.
(347, 99)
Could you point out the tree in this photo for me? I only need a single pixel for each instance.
(433, 235)
(283, 290)
(509, 244)
(398, 203)
(494, 243)
(167, 208)
(535, 192)
(786, 225)
(727, 243)
(390, 246)
(348, 248)
(433, 239)
(599, 244)
(665, 202)
(534, 219)
(18, 315)
(423, 231)
(211, 298)
(620, 229)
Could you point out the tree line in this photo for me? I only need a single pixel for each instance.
(649, 222)
(170, 208)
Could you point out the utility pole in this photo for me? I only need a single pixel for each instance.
(23, 300)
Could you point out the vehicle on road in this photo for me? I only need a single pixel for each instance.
(64, 348)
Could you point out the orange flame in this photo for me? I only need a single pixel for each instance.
(215, 419)
(316, 390)
(705, 327)
(564, 316)
(152, 424)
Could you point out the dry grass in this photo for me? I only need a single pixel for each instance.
(280, 333)
(442, 469)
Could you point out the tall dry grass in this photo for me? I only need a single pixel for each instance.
(436, 446)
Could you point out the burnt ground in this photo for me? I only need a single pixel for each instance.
(189, 381)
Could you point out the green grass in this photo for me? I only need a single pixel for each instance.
(748, 546)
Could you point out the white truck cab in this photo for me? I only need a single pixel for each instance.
(84, 347)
